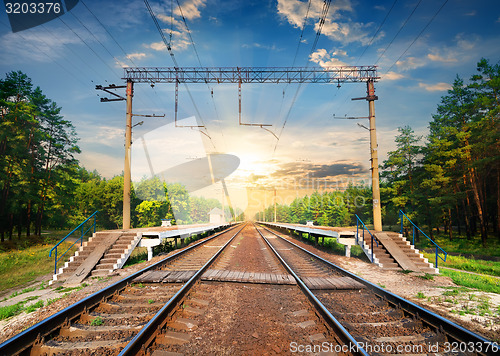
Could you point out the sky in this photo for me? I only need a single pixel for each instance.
(418, 46)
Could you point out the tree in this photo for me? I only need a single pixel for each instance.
(35, 141)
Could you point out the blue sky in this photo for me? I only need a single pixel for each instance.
(68, 58)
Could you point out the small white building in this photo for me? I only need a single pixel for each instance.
(216, 216)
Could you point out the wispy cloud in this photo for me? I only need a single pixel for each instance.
(337, 26)
(190, 9)
(435, 87)
(392, 76)
(438, 58)
(411, 63)
(137, 55)
(261, 46)
(326, 59)
(34, 45)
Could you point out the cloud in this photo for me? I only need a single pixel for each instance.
(261, 46)
(472, 13)
(191, 9)
(157, 46)
(34, 46)
(325, 59)
(136, 55)
(345, 31)
(177, 29)
(327, 175)
(392, 76)
(438, 58)
(411, 63)
(435, 87)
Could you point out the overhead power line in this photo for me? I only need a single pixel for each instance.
(399, 31)
(324, 14)
(172, 56)
(378, 30)
(418, 36)
(199, 61)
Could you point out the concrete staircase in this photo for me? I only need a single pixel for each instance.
(380, 255)
(117, 255)
(114, 256)
(394, 252)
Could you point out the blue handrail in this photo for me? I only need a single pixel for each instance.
(358, 220)
(94, 215)
(402, 215)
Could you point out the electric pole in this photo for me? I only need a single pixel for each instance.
(126, 170)
(371, 97)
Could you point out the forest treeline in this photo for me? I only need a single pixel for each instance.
(42, 184)
(450, 180)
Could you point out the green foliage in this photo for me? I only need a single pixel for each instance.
(452, 180)
(23, 266)
(326, 209)
(11, 310)
(491, 268)
(37, 147)
(35, 306)
(482, 283)
(420, 295)
(97, 321)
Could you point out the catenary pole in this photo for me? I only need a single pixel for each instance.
(126, 170)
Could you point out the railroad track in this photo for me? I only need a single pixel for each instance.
(105, 322)
(380, 321)
(243, 291)
(245, 302)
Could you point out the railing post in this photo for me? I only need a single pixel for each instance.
(357, 231)
(55, 262)
(436, 257)
(401, 218)
(372, 248)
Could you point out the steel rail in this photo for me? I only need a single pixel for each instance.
(455, 331)
(24, 340)
(147, 333)
(344, 335)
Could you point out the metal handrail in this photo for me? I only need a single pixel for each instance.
(94, 215)
(358, 220)
(402, 215)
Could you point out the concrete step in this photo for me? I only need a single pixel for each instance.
(108, 261)
(99, 273)
(106, 266)
(113, 255)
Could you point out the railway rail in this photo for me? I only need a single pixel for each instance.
(106, 321)
(245, 290)
(265, 297)
(380, 321)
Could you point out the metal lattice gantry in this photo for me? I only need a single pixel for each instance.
(337, 75)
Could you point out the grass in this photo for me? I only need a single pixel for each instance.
(468, 264)
(483, 283)
(20, 267)
(420, 295)
(461, 245)
(139, 255)
(11, 310)
(16, 309)
(97, 321)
